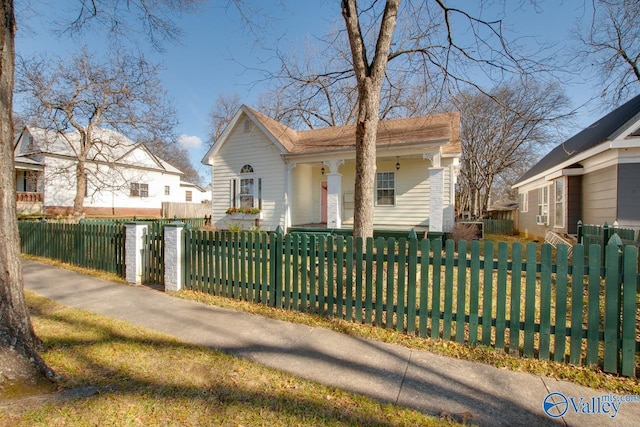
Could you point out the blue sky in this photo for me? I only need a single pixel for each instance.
(215, 49)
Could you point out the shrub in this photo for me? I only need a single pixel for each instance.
(466, 232)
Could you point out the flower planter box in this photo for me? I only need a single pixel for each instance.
(245, 217)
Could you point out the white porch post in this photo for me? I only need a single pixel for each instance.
(334, 194)
(436, 193)
(287, 196)
(134, 241)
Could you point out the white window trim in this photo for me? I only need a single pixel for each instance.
(136, 187)
(235, 188)
(524, 202)
(542, 212)
(394, 190)
(562, 203)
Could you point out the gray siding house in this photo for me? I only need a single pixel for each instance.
(593, 176)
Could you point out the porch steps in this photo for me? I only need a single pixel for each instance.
(555, 239)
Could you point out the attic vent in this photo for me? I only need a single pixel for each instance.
(247, 126)
(29, 143)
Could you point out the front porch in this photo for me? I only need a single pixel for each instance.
(29, 175)
(28, 203)
(413, 190)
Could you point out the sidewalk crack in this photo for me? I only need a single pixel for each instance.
(546, 387)
(404, 376)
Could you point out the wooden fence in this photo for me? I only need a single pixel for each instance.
(498, 226)
(97, 246)
(185, 210)
(517, 301)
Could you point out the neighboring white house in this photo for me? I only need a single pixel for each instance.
(193, 193)
(297, 178)
(123, 178)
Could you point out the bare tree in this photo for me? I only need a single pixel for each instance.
(426, 45)
(226, 106)
(403, 58)
(174, 154)
(82, 94)
(18, 342)
(503, 132)
(611, 44)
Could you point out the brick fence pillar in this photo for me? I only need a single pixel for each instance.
(173, 256)
(134, 242)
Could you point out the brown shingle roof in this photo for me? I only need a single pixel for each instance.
(391, 133)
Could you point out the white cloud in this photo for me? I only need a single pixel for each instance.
(189, 141)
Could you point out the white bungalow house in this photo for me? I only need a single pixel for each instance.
(298, 178)
(591, 177)
(123, 178)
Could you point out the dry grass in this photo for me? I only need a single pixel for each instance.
(580, 375)
(146, 378)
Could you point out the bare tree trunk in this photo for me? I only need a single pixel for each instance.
(369, 77)
(81, 189)
(17, 338)
(366, 132)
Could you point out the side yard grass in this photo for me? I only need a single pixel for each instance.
(146, 378)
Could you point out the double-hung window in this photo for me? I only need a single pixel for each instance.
(524, 202)
(543, 206)
(385, 189)
(246, 191)
(137, 189)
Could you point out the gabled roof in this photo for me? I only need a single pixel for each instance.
(605, 129)
(109, 146)
(436, 128)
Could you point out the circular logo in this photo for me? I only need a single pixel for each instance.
(555, 405)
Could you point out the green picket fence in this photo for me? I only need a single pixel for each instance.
(191, 222)
(97, 246)
(518, 301)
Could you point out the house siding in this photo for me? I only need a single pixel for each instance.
(412, 195)
(305, 191)
(253, 148)
(629, 195)
(599, 190)
(527, 220)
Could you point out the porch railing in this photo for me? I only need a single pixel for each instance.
(28, 197)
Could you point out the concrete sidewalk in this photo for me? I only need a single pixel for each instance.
(418, 379)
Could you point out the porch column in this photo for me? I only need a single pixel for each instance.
(334, 194)
(436, 193)
(287, 196)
